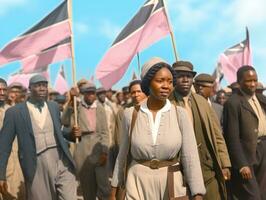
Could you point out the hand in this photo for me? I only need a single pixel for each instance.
(3, 187)
(226, 174)
(74, 91)
(197, 197)
(112, 195)
(103, 159)
(76, 132)
(246, 172)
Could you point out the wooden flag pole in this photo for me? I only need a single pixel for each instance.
(171, 31)
(73, 63)
(138, 63)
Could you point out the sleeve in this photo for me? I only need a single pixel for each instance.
(232, 134)
(220, 142)
(189, 154)
(118, 174)
(7, 136)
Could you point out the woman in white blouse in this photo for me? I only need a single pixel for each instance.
(161, 131)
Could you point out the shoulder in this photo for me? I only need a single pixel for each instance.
(199, 98)
(233, 100)
(16, 107)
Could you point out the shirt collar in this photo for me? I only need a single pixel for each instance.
(84, 104)
(165, 108)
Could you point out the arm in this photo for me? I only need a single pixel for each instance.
(189, 155)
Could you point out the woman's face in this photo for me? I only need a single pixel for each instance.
(161, 85)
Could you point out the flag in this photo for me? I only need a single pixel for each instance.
(235, 57)
(24, 78)
(61, 85)
(53, 54)
(148, 26)
(218, 76)
(49, 31)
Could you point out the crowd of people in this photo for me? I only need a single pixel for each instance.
(167, 135)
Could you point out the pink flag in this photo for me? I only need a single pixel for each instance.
(235, 57)
(61, 85)
(49, 31)
(149, 25)
(56, 53)
(24, 78)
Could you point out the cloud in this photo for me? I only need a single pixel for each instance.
(81, 28)
(109, 30)
(6, 5)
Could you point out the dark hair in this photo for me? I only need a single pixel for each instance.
(242, 70)
(3, 81)
(145, 84)
(132, 83)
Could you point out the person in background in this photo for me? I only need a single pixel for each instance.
(60, 100)
(160, 132)
(214, 158)
(126, 97)
(245, 134)
(204, 86)
(221, 97)
(260, 88)
(14, 93)
(45, 160)
(91, 153)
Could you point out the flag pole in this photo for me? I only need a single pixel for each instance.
(138, 63)
(171, 31)
(73, 63)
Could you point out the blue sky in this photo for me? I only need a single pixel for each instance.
(203, 29)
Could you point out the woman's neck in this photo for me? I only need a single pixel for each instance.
(155, 104)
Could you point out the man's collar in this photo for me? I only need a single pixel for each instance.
(84, 104)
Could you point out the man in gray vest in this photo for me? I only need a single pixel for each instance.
(44, 157)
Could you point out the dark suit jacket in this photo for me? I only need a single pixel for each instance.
(17, 122)
(241, 129)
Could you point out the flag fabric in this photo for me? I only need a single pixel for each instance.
(24, 78)
(56, 53)
(49, 31)
(235, 57)
(148, 26)
(61, 85)
(218, 76)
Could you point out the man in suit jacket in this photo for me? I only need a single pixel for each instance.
(245, 134)
(44, 157)
(91, 152)
(212, 150)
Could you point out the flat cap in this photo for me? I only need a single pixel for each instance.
(184, 66)
(100, 90)
(37, 79)
(234, 85)
(88, 87)
(60, 98)
(15, 85)
(125, 89)
(149, 64)
(204, 80)
(82, 82)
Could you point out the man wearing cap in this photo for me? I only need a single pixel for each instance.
(204, 84)
(126, 97)
(14, 93)
(91, 152)
(245, 134)
(44, 157)
(212, 150)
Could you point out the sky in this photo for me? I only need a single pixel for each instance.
(202, 29)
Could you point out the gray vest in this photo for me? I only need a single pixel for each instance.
(44, 137)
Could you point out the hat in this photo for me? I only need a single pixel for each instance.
(15, 85)
(60, 98)
(149, 64)
(234, 85)
(81, 82)
(88, 87)
(125, 89)
(111, 90)
(184, 66)
(37, 79)
(204, 80)
(260, 86)
(100, 90)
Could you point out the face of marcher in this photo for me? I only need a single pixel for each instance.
(3, 92)
(136, 94)
(205, 91)
(184, 82)
(39, 91)
(101, 96)
(119, 97)
(14, 94)
(89, 97)
(221, 98)
(249, 82)
(162, 84)
(109, 95)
